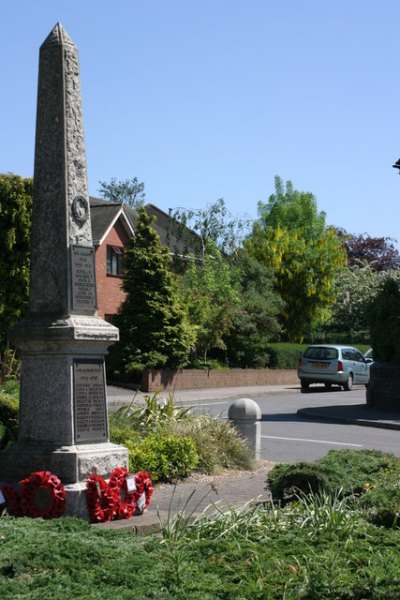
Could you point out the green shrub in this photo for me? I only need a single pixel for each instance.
(9, 411)
(285, 481)
(384, 322)
(165, 457)
(122, 432)
(217, 442)
(10, 367)
(10, 386)
(382, 505)
(351, 471)
(356, 468)
(284, 356)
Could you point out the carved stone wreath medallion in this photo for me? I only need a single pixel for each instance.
(80, 209)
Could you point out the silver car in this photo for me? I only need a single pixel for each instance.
(332, 365)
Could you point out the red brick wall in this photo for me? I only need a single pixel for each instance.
(169, 380)
(109, 291)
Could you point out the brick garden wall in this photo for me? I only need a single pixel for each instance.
(169, 380)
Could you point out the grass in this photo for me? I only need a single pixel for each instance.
(314, 549)
(321, 546)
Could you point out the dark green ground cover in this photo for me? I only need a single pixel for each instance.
(246, 555)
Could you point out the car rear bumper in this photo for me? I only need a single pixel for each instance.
(340, 377)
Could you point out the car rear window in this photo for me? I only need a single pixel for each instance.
(321, 353)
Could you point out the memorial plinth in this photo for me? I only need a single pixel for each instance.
(62, 343)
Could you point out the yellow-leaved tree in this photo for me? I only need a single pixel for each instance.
(306, 256)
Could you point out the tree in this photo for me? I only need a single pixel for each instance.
(212, 296)
(384, 322)
(15, 229)
(305, 255)
(356, 287)
(127, 191)
(154, 329)
(213, 223)
(256, 322)
(378, 252)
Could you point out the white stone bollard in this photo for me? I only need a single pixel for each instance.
(245, 415)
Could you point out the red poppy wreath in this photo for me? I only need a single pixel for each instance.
(42, 495)
(124, 492)
(100, 500)
(11, 501)
(144, 491)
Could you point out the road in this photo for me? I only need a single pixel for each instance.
(287, 437)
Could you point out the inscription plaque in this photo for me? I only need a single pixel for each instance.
(83, 278)
(90, 409)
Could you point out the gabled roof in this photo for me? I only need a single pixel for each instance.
(104, 214)
(103, 217)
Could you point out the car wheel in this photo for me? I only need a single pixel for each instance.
(348, 386)
(328, 386)
(304, 386)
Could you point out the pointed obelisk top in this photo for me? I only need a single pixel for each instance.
(61, 227)
(58, 37)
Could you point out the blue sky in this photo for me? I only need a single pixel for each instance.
(203, 99)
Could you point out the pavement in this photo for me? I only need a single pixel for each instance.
(235, 489)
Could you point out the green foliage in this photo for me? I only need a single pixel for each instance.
(145, 418)
(382, 505)
(384, 322)
(355, 287)
(10, 366)
(356, 468)
(217, 442)
(15, 228)
(291, 237)
(284, 356)
(165, 457)
(212, 297)
(351, 471)
(10, 386)
(214, 224)
(317, 548)
(154, 329)
(128, 191)
(285, 481)
(256, 321)
(9, 411)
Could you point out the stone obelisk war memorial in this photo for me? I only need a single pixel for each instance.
(62, 343)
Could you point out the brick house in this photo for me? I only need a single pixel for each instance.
(112, 227)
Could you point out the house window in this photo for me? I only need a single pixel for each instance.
(114, 260)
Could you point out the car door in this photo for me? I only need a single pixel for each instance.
(362, 367)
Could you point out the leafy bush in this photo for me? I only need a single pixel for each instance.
(217, 442)
(284, 356)
(353, 471)
(165, 457)
(286, 481)
(384, 322)
(10, 367)
(9, 411)
(382, 505)
(356, 468)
